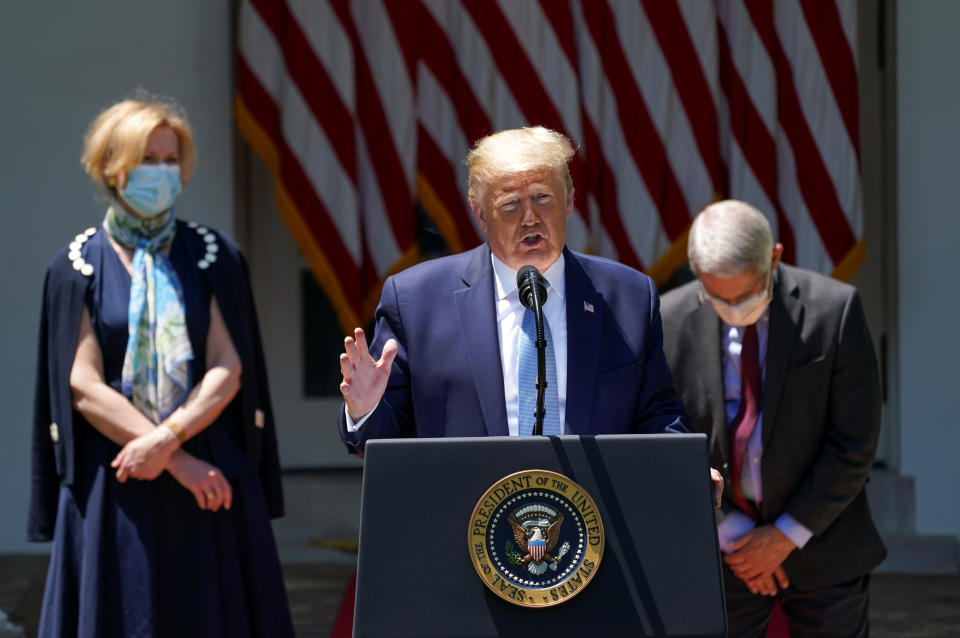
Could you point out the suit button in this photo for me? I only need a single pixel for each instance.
(54, 433)
(726, 465)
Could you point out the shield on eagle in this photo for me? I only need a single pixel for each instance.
(537, 548)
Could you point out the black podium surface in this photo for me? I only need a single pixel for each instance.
(660, 574)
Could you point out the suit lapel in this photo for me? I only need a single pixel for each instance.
(478, 322)
(584, 333)
(785, 313)
(707, 356)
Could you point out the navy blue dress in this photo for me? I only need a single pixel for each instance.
(141, 559)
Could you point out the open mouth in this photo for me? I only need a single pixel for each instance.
(532, 240)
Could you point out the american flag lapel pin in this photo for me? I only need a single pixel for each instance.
(587, 306)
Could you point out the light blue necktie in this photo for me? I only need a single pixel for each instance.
(527, 377)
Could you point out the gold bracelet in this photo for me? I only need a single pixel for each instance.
(176, 429)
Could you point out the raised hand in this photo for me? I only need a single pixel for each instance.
(364, 380)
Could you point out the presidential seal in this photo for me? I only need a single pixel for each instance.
(535, 538)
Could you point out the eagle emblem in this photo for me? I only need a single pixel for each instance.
(536, 530)
(535, 538)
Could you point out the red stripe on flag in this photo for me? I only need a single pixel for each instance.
(604, 189)
(519, 73)
(560, 16)
(313, 81)
(313, 212)
(389, 170)
(600, 180)
(405, 27)
(837, 60)
(437, 53)
(690, 82)
(758, 146)
(812, 176)
(439, 172)
(641, 136)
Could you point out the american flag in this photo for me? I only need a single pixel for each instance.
(364, 109)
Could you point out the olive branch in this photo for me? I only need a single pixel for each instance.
(513, 555)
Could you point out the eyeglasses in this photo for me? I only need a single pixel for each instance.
(743, 301)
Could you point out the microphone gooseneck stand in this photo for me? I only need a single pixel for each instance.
(533, 294)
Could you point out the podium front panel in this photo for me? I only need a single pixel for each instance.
(660, 574)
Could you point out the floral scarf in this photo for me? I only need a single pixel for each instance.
(156, 366)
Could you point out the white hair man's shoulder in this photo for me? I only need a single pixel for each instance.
(811, 284)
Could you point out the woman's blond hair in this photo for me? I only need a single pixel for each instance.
(117, 138)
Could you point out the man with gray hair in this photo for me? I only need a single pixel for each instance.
(777, 366)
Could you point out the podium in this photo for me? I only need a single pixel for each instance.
(660, 573)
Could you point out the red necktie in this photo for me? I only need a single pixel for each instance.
(746, 419)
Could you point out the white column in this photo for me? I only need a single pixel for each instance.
(928, 173)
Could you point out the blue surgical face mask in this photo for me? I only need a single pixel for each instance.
(152, 188)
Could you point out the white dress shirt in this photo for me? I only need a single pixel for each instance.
(509, 321)
(736, 524)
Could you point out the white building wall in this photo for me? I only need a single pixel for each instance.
(928, 141)
(61, 63)
(306, 426)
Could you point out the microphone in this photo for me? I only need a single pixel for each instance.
(533, 294)
(528, 280)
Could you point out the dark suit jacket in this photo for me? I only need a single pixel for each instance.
(447, 379)
(54, 457)
(821, 415)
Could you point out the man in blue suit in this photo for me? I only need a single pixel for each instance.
(444, 357)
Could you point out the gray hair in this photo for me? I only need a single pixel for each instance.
(517, 151)
(728, 238)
